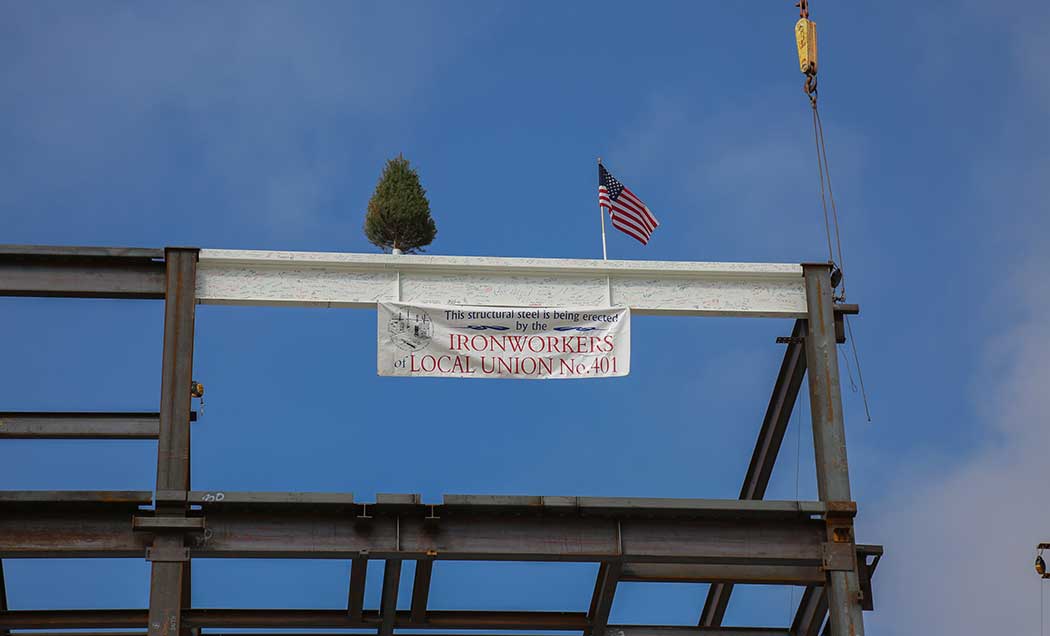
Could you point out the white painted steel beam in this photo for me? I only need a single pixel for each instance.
(323, 279)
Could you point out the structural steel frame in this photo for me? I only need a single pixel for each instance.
(721, 542)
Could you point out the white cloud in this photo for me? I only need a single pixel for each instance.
(960, 532)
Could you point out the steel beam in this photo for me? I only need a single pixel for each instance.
(675, 630)
(80, 272)
(170, 572)
(611, 631)
(421, 589)
(764, 457)
(101, 501)
(246, 535)
(355, 603)
(762, 533)
(722, 573)
(187, 597)
(80, 425)
(165, 597)
(602, 599)
(778, 415)
(812, 575)
(316, 279)
(73, 619)
(812, 610)
(829, 438)
(176, 370)
(294, 618)
(388, 602)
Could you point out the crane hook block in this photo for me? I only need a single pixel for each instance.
(806, 39)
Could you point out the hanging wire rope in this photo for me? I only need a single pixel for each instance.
(818, 129)
(806, 39)
(820, 170)
(860, 375)
(849, 371)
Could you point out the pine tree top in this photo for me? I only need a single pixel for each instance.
(398, 215)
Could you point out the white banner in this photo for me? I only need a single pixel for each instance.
(503, 342)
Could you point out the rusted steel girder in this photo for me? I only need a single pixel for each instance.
(602, 599)
(355, 603)
(611, 630)
(318, 535)
(388, 601)
(337, 619)
(80, 425)
(421, 588)
(829, 443)
(81, 272)
(170, 574)
(294, 618)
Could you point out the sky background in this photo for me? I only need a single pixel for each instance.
(265, 126)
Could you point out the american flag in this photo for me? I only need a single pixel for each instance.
(629, 214)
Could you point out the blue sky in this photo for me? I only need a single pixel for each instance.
(265, 126)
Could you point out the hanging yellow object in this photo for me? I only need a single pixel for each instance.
(806, 39)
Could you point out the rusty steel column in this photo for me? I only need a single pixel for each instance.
(169, 556)
(829, 444)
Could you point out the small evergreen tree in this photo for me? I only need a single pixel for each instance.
(398, 216)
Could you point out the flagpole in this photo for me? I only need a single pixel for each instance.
(601, 213)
